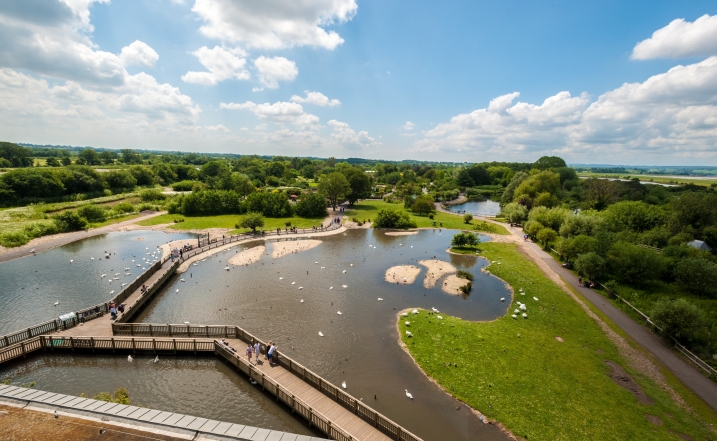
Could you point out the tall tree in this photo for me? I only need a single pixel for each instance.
(334, 187)
(360, 185)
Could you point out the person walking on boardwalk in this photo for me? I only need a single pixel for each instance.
(257, 351)
(248, 352)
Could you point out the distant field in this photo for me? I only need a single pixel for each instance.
(705, 181)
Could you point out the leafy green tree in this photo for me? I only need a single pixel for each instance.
(359, 183)
(311, 205)
(479, 175)
(571, 248)
(16, 155)
(698, 276)
(551, 218)
(633, 216)
(465, 240)
(107, 157)
(66, 160)
(334, 186)
(590, 265)
(70, 221)
(121, 179)
(600, 193)
(463, 178)
(251, 220)
(515, 213)
(467, 218)
(585, 223)
(52, 162)
(387, 218)
(142, 174)
(90, 157)
(542, 182)
(422, 205)
(678, 318)
(164, 172)
(632, 264)
(546, 235)
(509, 193)
(548, 162)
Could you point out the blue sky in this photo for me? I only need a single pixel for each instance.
(608, 82)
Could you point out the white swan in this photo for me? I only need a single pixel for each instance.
(380, 299)
(156, 359)
(344, 286)
(408, 394)
(343, 384)
(514, 316)
(321, 334)
(103, 275)
(405, 314)
(129, 358)
(331, 288)
(293, 283)
(525, 315)
(535, 298)
(434, 310)
(71, 260)
(177, 290)
(502, 299)
(415, 311)
(408, 323)
(57, 303)
(301, 287)
(112, 292)
(339, 313)
(302, 300)
(440, 318)
(281, 278)
(344, 271)
(408, 333)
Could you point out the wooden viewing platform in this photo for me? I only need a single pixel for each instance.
(324, 405)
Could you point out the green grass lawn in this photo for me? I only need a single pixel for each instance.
(516, 372)
(368, 209)
(227, 221)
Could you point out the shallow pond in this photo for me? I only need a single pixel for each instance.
(359, 347)
(31, 285)
(477, 208)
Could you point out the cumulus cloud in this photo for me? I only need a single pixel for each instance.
(673, 113)
(217, 128)
(222, 64)
(408, 126)
(279, 112)
(680, 39)
(346, 136)
(138, 53)
(316, 98)
(274, 24)
(275, 69)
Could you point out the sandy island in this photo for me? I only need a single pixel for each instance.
(288, 247)
(247, 256)
(402, 274)
(436, 270)
(400, 233)
(452, 284)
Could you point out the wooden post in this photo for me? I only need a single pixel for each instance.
(170, 329)
(134, 347)
(195, 346)
(174, 345)
(226, 332)
(131, 329)
(29, 332)
(72, 344)
(22, 344)
(42, 342)
(150, 331)
(206, 329)
(92, 343)
(7, 342)
(112, 339)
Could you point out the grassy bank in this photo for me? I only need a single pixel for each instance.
(368, 209)
(227, 221)
(516, 372)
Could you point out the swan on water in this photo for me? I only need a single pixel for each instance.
(112, 292)
(434, 310)
(331, 288)
(92, 258)
(126, 269)
(344, 286)
(57, 303)
(316, 263)
(339, 313)
(103, 275)
(321, 334)
(177, 290)
(408, 394)
(293, 283)
(129, 358)
(186, 323)
(281, 278)
(123, 284)
(71, 260)
(380, 299)
(301, 287)
(344, 271)
(226, 268)
(343, 384)
(502, 299)
(117, 274)
(302, 300)
(156, 359)
(182, 280)
(408, 333)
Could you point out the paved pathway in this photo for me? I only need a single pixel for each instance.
(64, 239)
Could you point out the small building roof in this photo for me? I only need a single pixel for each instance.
(700, 245)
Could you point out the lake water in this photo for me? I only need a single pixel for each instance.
(477, 208)
(31, 285)
(359, 346)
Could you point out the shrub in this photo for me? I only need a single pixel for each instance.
(464, 275)
(430, 216)
(123, 207)
(422, 205)
(252, 220)
(14, 239)
(632, 264)
(208, 202)
(393, 219)
(466, 289)
(152, 194)
(467, 218)
(121, 179)
(93, 213)
(288, 224)
(465, 240)
(70, 221)
(185, 185)
(546, 235)
(678, 318)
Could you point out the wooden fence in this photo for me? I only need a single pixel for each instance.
(200, 331)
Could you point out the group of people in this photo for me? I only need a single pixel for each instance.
(255, 351)
(586, 284)
(114, 309)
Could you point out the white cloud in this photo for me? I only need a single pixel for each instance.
(217, 128)
(346, 136)
(408, 126)
(222, 64)
(279, 112)
(316, 98)
(674, 113)
(680, 39)
(138, 53)
(275, 69)
(274, 24)
(257, 89)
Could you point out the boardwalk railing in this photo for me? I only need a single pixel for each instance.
(369, 415)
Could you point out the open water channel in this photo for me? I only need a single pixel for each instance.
(359, 347)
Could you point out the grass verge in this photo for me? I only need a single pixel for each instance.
(516, 372)
(227, 221)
